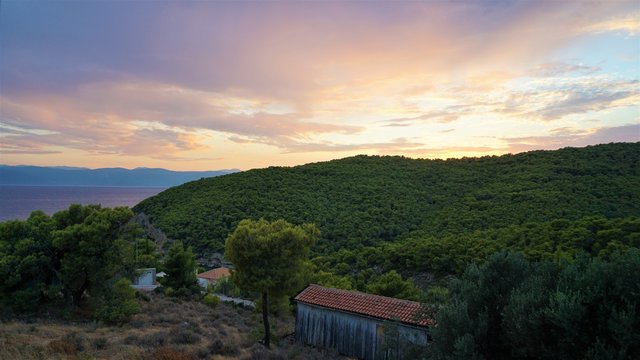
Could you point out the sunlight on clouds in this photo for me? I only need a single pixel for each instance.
(628, 23)
(300, 82)
(11, 130)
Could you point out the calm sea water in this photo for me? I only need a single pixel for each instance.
(17, 202)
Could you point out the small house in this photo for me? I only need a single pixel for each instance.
(365, 326)
(146, 279)
(212, 276)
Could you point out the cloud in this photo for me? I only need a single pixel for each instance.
(284, 50)
(558, 138)
(452, 151)
(545, 98)
(554, 69)
(570, 97)
(628, 23)
(428, 117)
(290, 146)
(101, 117)
(24, 144)
(175, 79)
(574, 137)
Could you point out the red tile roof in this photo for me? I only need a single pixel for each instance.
(215, 274)
(366, 304)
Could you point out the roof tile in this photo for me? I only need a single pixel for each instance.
(215, 274)
(382, 307)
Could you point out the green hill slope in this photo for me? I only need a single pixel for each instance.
(370, 200)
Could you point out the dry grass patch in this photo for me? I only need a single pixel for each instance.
(166, 328)
(165, 353)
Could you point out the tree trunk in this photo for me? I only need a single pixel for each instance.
(265, 319)
(76, 296)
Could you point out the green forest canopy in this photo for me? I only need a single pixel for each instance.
(49, 264)
(383, 213)
(365, 200)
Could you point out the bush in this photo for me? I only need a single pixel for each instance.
(142, 296)
(131, 339)
(184, 336)
(258, 352)
(154, 340)
(183, 292)
(219, 347)
(76, 339)
(120, 304)
(137, 324)
(165, 353)
(202, 353)
(211, 300)
(100, 343)
(510, 307)
(227, 287)
(63, 347)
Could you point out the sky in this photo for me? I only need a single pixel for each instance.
(203, 85)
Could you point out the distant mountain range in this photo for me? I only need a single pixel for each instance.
(74, 176)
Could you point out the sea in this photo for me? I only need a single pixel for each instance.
(17, 202)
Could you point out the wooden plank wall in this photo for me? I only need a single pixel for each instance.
(349, 334)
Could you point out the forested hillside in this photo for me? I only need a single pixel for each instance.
(370, 200)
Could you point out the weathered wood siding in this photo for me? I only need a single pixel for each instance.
(349, 334)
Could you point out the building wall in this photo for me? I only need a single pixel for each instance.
(349, 334)
(147, 277)
(204, 283)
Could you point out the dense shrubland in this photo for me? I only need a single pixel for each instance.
(365, 200)
(512, 308)
(382, 214)
(451, 253)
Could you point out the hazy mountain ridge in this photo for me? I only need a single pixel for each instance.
(71, 176)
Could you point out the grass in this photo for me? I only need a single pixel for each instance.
(166, 328)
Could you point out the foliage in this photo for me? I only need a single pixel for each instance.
(434, 217)
(54, 262)
(146, 253)
(211, 300)
(269, 258)
(91, 246)
(419, 252)
(328, 279)
(120, 304)
(391, 284)
(226, 286)
(510, 308)
(366, 200)
(180, 266)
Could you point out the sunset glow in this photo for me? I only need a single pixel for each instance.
(211, 85)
